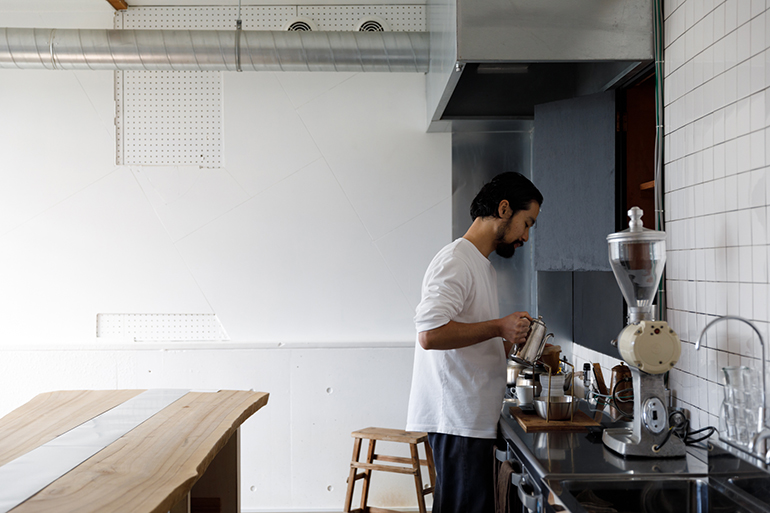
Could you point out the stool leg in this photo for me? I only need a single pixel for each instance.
(417, 477)
(367, 475)
(352, 475)
(431, 466)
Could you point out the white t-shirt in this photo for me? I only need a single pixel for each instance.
(458, 391)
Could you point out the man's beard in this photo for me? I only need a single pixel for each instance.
(504, 249)
(507, 250)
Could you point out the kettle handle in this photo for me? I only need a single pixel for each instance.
(542, 346)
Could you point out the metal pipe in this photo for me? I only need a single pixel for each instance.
(213, 50)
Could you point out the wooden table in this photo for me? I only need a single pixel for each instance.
(187, 453)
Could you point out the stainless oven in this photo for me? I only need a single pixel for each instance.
(525, 494)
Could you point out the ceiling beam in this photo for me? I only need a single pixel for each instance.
(119, 5)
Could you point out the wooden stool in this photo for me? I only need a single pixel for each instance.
(406, 465)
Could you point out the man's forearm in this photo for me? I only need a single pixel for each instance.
(455, 335)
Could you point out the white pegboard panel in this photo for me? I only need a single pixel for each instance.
(175, 117)
(155, 327)
(254, 17)
(401, 18)
(270, 17)
(169, 118)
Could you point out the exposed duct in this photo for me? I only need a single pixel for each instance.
(213, 50)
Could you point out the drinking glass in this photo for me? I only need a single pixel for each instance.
(740, 407)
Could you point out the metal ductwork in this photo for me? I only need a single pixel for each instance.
(213, 50)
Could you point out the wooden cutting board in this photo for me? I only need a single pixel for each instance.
(533, 423)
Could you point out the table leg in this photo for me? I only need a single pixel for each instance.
(182, 506)
(221, 480)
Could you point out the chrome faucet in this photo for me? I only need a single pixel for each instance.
(756, 441)
(763, 431)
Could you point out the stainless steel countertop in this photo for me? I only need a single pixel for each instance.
(558, 459)
(555, 454)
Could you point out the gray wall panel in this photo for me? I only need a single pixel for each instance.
(574, 167)
(554, 303)
(598, 311)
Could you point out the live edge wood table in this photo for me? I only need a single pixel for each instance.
(187, 449)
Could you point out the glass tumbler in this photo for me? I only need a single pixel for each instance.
(740, 407)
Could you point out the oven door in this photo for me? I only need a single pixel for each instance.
(515, 489)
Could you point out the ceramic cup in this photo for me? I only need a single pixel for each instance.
(525, 394)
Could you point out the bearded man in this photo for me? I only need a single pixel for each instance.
(460, 361)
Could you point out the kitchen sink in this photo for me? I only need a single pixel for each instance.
(664, 494)
(758, 487)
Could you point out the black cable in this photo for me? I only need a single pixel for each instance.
(691, 441)
(680, 426)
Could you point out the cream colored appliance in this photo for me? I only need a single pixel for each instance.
(650, 347)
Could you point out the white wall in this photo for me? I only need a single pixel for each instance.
(309, 245)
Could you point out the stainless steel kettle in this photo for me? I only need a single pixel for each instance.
(514, 369)
(532, 349)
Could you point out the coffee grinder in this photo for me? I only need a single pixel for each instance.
(649, 347)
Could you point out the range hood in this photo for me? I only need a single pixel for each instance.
(497, 59)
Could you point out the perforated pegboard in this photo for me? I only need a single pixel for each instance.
(175, 117)
(207, 18)
(400, 18)
(152, 327)
(270, 17)
(170, 118)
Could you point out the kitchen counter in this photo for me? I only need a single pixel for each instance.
(569, 454)
(559, 463)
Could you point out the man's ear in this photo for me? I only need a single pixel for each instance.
(503, 208)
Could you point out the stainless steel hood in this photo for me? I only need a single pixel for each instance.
(497, 59)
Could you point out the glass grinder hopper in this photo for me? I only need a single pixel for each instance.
(650, 347)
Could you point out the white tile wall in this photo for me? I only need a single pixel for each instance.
(717, 156)
(717, 193)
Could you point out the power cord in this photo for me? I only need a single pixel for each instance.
(680, 426)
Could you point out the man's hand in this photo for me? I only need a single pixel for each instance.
(515, 327)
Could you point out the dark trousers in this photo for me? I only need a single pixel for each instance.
(464, 474)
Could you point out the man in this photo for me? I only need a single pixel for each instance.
(459, 374)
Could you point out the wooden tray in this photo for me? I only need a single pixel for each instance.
(533, 423)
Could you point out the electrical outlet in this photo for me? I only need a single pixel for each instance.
(654, 415)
